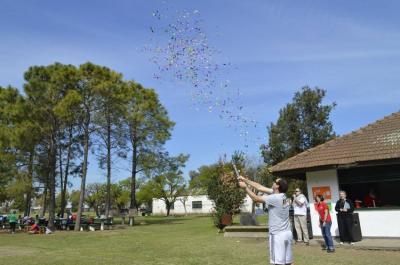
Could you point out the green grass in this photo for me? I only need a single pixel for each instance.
(160, 240)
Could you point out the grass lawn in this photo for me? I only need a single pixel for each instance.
(160, 240)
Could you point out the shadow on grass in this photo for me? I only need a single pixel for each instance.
(163, 220)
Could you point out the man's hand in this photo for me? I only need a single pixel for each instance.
(242, 184)
(241, 178)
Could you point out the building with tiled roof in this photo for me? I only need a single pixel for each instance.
(361, 162)
(374, 143)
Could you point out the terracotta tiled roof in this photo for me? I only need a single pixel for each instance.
(377, 141)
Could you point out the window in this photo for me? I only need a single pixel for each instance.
(372, 186)
(197, 204)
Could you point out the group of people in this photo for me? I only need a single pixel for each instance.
(370, 200)
(280, 232)
(32, 223)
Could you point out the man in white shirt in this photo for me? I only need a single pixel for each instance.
(300, 216)
(280, 235)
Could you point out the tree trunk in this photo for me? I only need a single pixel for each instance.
(96, 207)
(52, 182)
(83, 180)
(28, 198)
(184, 206)
(44, 208)
(168, 207)
(108, 199)
(65, 182)
(61, 174)
(134, 170)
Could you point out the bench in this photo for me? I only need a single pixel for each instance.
(100, 224)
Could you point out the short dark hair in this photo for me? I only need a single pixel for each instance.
(283, 185)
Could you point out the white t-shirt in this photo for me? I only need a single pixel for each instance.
(278, 212)
(300, 210)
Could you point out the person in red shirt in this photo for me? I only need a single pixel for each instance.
(325, 222)
(34, 229)
(370, 199)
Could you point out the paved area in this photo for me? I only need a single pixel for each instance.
(366, 243)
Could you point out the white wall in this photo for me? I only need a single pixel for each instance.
(379, 223)
(374, 223)
(207, 205)
(320, 179)
(160, 208)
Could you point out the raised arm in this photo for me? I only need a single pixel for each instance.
(252, 195)
(256, 185)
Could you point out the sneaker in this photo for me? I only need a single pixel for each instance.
(341, 243)
(330, 250)
(352, 243)
(307, 243)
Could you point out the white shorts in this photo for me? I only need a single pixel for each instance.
(280, 248)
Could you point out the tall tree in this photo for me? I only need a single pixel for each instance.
(148, 127)
(96, 197)
(302, 124)
(46, 87)
(111, 103)
(9, 98)
(92, 78)
(169, 183)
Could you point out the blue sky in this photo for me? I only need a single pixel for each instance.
(349, 48)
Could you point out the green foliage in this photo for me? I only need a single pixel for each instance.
(46, 135)
(96, 197)
(200, 179)
(74, 198)
(168, 183)
(147, 127)
(302, 124)
(224, 191)
(146, 194)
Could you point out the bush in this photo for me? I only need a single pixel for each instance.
(223, 189)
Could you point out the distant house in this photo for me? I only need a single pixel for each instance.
(200, 204)
(358, 162)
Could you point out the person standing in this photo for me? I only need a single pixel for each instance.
(12, 220)
(280, 235)
(325, 222)
(300, 216)
(344, 208)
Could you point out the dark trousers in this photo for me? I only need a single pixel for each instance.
(12, 227)
(345, 224)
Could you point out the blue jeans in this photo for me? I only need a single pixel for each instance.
(326, 233)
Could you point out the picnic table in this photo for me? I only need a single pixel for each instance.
(101, 223)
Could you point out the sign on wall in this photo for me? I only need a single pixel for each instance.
(324, 191)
